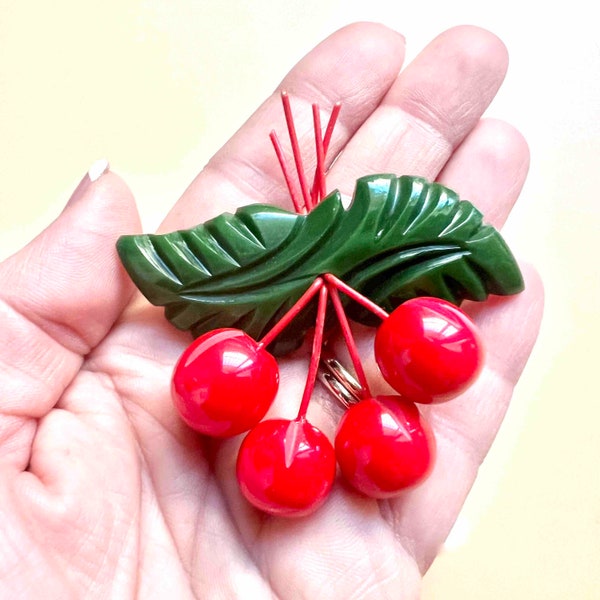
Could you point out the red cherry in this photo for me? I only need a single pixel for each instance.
(286, 468)
(224, 383)
(383, 446)
(428, 350)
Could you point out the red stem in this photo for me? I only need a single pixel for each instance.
(315, 357)
(288, 180)
(289, 316)
(356, 296)
(326, 140)
(318, 192)
(331, 124)
(289, 119)
(349, 339)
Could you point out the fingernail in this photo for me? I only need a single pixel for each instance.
(98, 169)
(94, 173)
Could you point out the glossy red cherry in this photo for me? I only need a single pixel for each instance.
(428, 350)
(286, 468)
(383, 446)
(224, 383)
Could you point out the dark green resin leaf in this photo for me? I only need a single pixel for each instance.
(401, 237)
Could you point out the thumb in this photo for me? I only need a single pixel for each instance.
(68, 281)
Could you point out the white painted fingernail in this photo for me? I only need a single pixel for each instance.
(94, 173)
(98, 169)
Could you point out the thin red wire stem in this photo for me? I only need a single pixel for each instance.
(331, 124)
(298, 205)
(349, 339)
(315, 357)
(289, 119)
(320, 168)
(356, 296)
(326, 140)
(289, 316)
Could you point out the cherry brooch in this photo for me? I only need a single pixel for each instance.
(250, 286)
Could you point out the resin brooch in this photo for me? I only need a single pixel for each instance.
(251, 286)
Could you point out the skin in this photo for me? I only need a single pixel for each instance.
(104, 493)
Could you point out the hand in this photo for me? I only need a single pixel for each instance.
(104, 492)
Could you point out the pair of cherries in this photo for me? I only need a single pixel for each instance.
(427, 349)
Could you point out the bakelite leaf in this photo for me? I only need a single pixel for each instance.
(401, 237)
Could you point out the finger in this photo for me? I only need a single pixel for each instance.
(344, 547)
(356, 65)
(435, 102)
(62, 293)
(466, 426)
(495, 153)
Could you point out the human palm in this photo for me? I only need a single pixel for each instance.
(105, 493)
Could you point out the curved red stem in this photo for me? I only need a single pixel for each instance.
(326, 140)
(289, 119)
(315, 357)
(349, 339)
(318, 192)
(356, 296)
(289, 316)
(298, 206)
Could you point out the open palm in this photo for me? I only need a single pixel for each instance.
(104, 493)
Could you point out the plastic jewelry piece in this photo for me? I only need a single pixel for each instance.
(252, 284)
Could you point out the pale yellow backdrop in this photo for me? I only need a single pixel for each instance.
(156, 86)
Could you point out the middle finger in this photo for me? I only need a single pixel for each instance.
(433, 104)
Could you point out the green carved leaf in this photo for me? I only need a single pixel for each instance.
(401, 237)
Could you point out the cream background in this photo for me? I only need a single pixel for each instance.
(157, 86)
